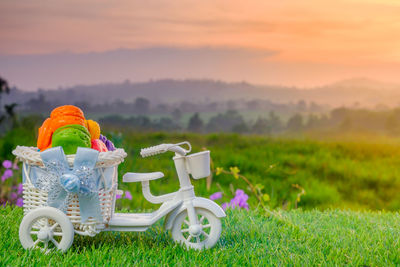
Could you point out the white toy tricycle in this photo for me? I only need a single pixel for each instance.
(193, 221)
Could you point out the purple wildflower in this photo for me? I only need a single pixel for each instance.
(7, 164)
(118, 196)
(216, 195)
(128, 195)
(7, 174)
(13, 195)
(20, 202)
(20, 189)
(240, 200)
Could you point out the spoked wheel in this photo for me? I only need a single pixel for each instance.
(203, 235)
(47, 229)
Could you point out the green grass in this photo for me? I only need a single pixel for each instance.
(301, 238)
(352, 174)
(334, 174)
(337, 175)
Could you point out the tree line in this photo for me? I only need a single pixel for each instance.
(143, 106)
(339, 119)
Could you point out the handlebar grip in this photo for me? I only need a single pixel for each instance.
(154, 150)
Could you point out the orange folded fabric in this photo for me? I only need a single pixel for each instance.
(59, 117)
(45, 133)
(94, 129)
(67, 110)
(65, 120)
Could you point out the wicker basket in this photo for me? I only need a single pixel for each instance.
(107, 164)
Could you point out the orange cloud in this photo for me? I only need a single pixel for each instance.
(356, 33)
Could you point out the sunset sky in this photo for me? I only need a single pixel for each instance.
(303, 43)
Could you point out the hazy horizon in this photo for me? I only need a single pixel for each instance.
(66, 69)
(313, 43)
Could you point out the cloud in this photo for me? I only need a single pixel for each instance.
(340, 37)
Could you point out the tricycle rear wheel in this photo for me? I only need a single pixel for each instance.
(46, 228)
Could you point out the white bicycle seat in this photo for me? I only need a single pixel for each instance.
(131, 177)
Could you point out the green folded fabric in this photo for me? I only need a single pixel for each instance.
(70, 137)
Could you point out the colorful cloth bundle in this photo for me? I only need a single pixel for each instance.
(68, 128)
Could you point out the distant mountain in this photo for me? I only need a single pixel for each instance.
(362, 91)
(172, 75)
(364, 83)
(65, 69)
(347, 92)
(159, 91)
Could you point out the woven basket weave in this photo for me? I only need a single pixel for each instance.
(34, 198)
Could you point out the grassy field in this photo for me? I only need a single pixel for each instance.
(357, 175)
(343, 179)
(352, 175)
(301, 238)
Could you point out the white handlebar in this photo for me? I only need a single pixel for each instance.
(154, 150)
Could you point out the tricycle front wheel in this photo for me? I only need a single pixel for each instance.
(205, 235)
(46, 228)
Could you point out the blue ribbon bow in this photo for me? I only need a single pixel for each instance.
(62, 183)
